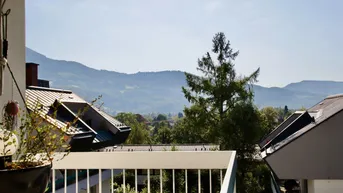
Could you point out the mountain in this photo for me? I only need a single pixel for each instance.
(146, 92)
(143, 92)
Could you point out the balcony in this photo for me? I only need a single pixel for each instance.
(90, 172)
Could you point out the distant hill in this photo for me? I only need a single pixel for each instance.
(146, 92)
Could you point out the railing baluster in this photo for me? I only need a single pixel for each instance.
(136, 183)
(100, 181)
(161, 181)
(124, 176)
(199, 181)
(111, 183)
(173, 181)
(148, 180)
(221, 177)
(76, 180)
(53, 181)
(210, 173)
(88, 185)
(186, 181)
(65, 181)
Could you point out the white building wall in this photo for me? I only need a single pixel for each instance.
(325, 186)
(16, 52)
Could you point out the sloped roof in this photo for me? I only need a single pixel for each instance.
(321, 112)
(113, 121)
(47, 96)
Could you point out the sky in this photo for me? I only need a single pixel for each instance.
(289, 40)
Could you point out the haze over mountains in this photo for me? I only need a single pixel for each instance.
(146, 92)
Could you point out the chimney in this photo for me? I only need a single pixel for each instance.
(31, 74)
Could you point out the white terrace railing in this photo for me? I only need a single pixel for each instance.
(93, 172)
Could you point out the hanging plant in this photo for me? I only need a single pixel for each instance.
(12, 108)
(28, 150)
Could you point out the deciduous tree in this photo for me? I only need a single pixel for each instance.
(139, 132)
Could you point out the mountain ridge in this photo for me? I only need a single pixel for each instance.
(146, 92)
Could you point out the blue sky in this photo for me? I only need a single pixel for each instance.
(289, 40)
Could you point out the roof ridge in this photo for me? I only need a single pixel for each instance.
(49, 89)
(334, 96)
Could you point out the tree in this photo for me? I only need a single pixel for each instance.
(163, 136)
(222, 108)
(302, 109)
(285, 110)
(192, 129)
(161, 117)
(139, 132)
(270, 117)
(219, 90)
(179, 115)
(284, 113)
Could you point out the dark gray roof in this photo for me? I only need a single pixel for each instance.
(113, 121)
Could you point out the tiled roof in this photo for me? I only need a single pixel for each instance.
(47, 96)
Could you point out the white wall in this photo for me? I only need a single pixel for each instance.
(314, 155)
(16, 52)
(325, 186)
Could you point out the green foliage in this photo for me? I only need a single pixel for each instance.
(191, 129)
(37, 140)
(270, 118)
(285, 110)
(222, 110)
(257, 178)
(38, 135)
(284, 113)
(161, 117)
(163, 136)
(120, 189)
(139, 131)
(302, 109)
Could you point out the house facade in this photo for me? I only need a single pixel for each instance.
(307, 147)
(16, 53)
(94, 128)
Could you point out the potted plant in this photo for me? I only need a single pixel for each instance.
(27, 147)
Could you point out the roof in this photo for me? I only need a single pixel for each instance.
(120, 126)
(163, 147)
(48, 96)
(280, 128)
(321, 112)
